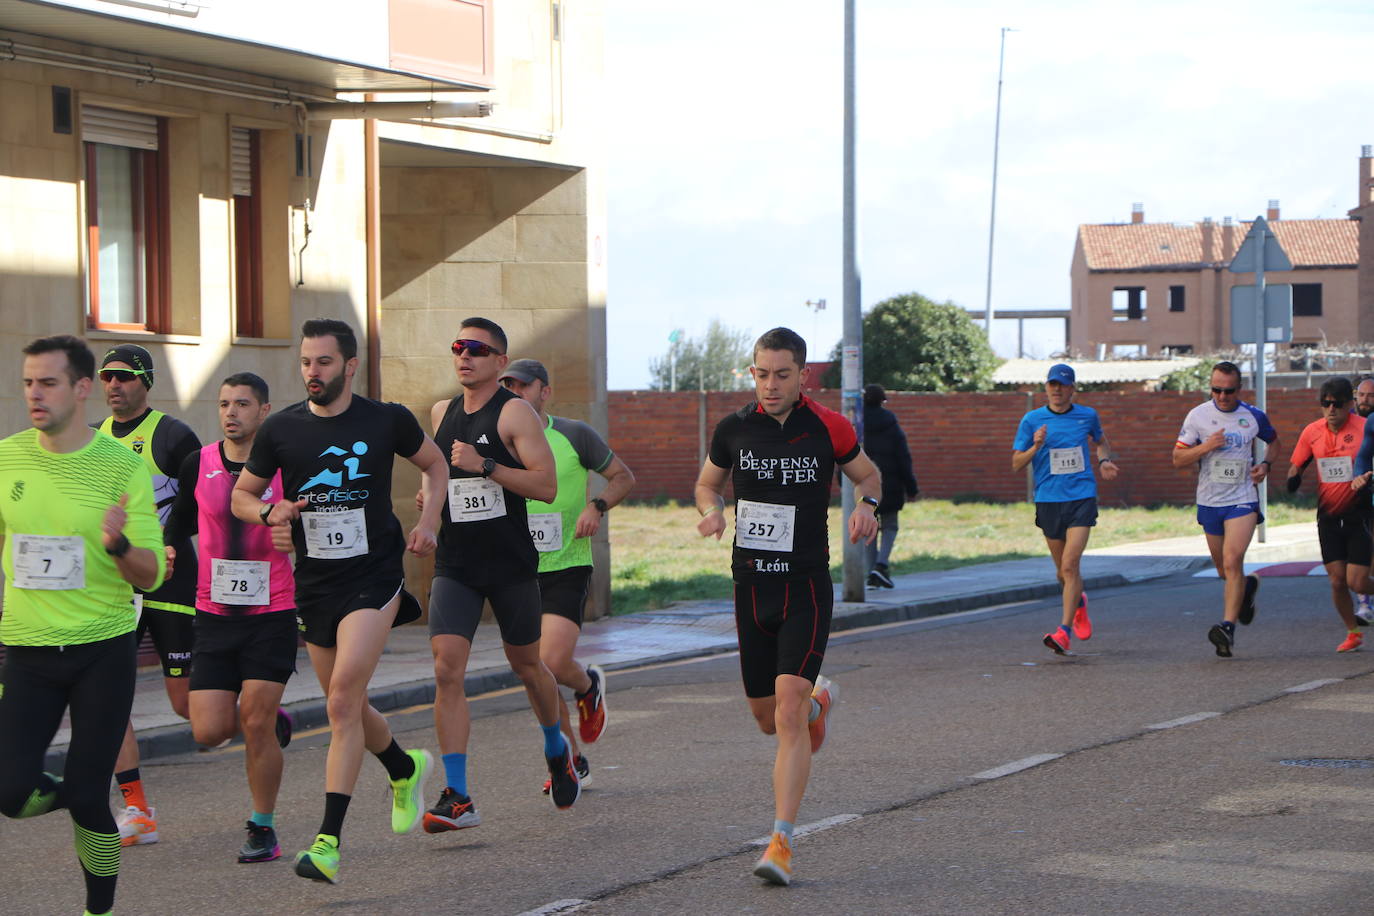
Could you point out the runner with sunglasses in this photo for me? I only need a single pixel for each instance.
(1056, 441)
(1343, 512)
(335, 451)
(168, 614)
(498, 458)
(1219, 438)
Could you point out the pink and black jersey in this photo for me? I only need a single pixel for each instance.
(782, 475)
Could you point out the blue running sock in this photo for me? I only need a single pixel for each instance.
(456, 772)
(1229, 627)
(1067, 631)
(553, 740)
(785, 828)
(264, 820)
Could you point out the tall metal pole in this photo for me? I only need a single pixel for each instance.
(852, 366)
(1261, 397)
(992, 219)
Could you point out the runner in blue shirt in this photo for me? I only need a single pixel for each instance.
(1056, 441)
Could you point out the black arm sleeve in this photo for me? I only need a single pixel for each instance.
(183, 520)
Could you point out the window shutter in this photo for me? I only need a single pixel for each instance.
(241, 162)
(118, 128)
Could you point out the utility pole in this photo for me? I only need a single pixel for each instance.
(851, 374)
(992, 219)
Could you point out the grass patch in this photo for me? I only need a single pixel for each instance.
(658, 558)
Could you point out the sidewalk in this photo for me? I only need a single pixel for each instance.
(404, 676)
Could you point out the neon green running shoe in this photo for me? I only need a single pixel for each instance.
(321, 861)
(407, 794)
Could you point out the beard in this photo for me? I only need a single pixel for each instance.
(1364, 410)
(329, 392)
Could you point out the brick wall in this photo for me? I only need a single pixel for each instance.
(960, 443)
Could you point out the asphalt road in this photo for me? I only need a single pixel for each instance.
(1163, 787)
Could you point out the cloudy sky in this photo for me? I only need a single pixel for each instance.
(725, 147)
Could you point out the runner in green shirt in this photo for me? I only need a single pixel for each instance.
(562, 533)
(80, 528)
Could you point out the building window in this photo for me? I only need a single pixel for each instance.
(246, 187)
(1178, 349)
(1175, 298)
(1128, 303)
(1307, 300)
(127, 220)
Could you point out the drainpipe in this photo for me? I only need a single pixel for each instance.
(372, 175)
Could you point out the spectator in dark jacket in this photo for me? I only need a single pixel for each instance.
(885, 443)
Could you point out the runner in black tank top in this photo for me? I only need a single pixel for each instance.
(498, 457)
(487, 545)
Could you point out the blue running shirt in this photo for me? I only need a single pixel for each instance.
(1064, 468)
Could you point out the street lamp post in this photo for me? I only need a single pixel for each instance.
(992, 219)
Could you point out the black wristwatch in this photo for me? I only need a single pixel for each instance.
(120, 548)
(600, 505)
(488, 466)
(871, 501)
(265, 511)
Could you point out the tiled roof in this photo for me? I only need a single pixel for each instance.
(1170, 246)
(1033, 371)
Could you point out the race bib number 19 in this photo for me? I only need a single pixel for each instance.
(335, 535)
(764, 526)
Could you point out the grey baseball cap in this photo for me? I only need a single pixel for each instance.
(526, 371)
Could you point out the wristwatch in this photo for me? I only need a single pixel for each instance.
(871, 501)
(488, 466)
(600, 505)
(120, 548)
(265, 511)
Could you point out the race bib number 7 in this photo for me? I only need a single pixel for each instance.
(49, 563)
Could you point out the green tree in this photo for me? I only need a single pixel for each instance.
(717, 361)
(914, 344)
(1195, 378)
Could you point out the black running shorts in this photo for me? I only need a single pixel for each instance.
(1055, 519)
(564, 592)
(320, 613)
(783, 626)
(455, 609)
(173, 636)
(1345, 539)
(248, 647)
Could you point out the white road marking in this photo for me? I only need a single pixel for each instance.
(1184, 720)
(558, 906)
(1313, 685)
(817, 827)
(1016, 766)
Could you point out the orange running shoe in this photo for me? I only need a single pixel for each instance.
(776, 865)
(1353, 640)
(1082, 626)
(136, 826)
(1057, 640)
(825, 693)
(591, 707)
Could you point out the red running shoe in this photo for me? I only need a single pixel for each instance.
(1058, 640)
(591, 707)
(1082, 626)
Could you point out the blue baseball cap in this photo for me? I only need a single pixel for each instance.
(1061, 373)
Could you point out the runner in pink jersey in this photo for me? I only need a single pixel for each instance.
(245, 630)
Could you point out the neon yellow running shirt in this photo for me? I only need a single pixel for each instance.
(50, 495)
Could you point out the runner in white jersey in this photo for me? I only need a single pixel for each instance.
(1218, 437)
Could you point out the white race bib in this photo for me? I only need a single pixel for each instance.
(48, 563)
(242, 582)
(1066, 460)
(546, 530)
(1336, 470)
(474, 499)
(335, 535)
(1229, 470)
(764, 526)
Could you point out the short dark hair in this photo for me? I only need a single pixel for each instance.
(1337, 389)
(249, 380)
(491, 327)
(874, 395)
(80, 359)
(1227, 368)
(333, 327)
(1361, 379)
(782, 339)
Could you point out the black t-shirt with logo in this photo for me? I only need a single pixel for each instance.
(489, 546)
(339, 464)
(785, 470)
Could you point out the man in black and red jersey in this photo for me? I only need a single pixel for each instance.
(780, 453)
(1343, 512)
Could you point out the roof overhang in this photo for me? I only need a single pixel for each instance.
(153, 40)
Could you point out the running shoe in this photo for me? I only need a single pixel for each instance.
(591, 707)
(1353, 641)
(1057, 640)
(826, 692)
(286, 724)
(406, 794)
(454, 811)
(1247, 604)
(136, 826)
(880, 576)
(321, 861)
(1082, 626)
(775, 866)
(584, 773)
(872, 581)
(1364, 609)
(1218, 637)
(564, 788)
(43, 799)
(261, 845)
